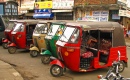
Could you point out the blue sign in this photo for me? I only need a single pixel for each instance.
(42, 11)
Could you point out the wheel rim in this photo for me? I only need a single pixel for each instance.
(12, 49)
(56, 70)
(121, 67)
(46, 59)
(34, 53)
(5, 45)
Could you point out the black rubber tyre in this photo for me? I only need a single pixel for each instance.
(45, 59)
(34, 53)
(56, 71)
(121, 67)
(5, 45)
(12, 50)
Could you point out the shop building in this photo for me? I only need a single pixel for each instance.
(63, 9)
(97, 10)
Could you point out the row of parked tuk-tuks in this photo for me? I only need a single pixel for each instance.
(80, 46)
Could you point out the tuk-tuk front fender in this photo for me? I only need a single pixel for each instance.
(5, 40)
(47, 52)
(12, 45)
(57, 62)
(34, 48)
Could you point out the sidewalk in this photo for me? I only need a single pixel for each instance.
(7, 72)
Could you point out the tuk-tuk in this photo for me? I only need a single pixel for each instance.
(87, 46)
(7, 33)
(39, 34)
(22, 35)
(55, 31)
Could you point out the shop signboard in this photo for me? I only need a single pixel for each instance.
(27, 5)
(63, 4)
(42, 11)
(122, 12)
(43, 5)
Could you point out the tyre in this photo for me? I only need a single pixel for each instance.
(121, 67)
(45, 59)
(12, 50)
(34, 53)
(56, 70)
(5, 45)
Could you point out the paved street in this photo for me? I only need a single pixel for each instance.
(33, 69)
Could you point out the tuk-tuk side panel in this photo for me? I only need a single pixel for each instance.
(53, 47)
(39, 41)
(71, 59)
(112, 56)
(21, 41)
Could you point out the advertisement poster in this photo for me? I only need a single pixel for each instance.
(96, 13)
(104, 13)
(63, 4)
(43, 5)
(102, 18)
(115, 16)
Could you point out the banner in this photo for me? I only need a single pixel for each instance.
(63, 4)
(43, 5)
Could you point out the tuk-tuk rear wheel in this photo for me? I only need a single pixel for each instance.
(12, 50)
(4, 45)
(34, 53)
(121, 67)
(56, 70)
(45, 59)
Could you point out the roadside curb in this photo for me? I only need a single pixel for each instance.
(8, 72)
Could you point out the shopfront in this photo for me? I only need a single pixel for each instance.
(63, 10)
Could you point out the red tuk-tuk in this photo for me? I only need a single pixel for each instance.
(22, 35)
(7, 33)
(89, 46)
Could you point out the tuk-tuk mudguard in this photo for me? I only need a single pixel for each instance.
(57, 62)
(47, 52)
(34, 48)
(5, 40)
(11, 45)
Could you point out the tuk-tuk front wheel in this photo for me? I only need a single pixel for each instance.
(45, 59)
(34, 53)
(121, 67)
(56, 70)
(12, 50)
(5, 45)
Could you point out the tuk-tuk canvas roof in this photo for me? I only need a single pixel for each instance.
(29, 21)
(114, 27)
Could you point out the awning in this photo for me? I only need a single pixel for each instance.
(51, 15)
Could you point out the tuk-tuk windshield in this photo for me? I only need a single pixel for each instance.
(41, 29)
(10, 26)
(18, 27)
(53, 30)
(70, 34)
